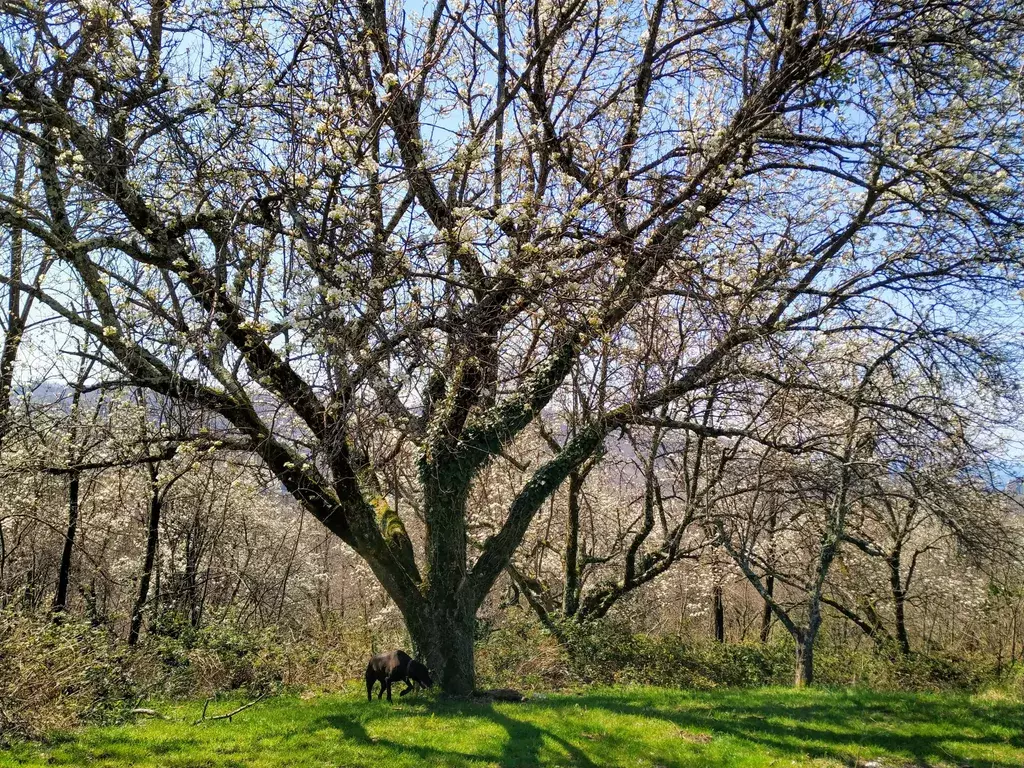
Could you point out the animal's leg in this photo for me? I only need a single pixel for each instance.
(383, 684)
(387, 682)
(369, 688)
(409, 686)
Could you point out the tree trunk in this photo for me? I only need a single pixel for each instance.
(899, 598)
(152, 540)
(16, 318)
(804, 675)
(442, 627)
(443, 638)
(571, 596)
(195, 542)
(769, 583)
(60, 600)
(92, 604)
(766, 614)
(719, 606)
(805, 638)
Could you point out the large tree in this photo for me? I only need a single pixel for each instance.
(346, 228)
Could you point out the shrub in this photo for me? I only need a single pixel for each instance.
(221, 657)
(60, 675)
(940, 671)
(611, 653)
(521, 654)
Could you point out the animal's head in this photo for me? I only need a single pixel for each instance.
(418, 672)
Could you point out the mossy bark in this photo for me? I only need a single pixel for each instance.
(804, 673)
(443, 635)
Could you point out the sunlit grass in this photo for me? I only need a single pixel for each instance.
(638, 727)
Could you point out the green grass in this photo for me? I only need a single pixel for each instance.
(640, 727)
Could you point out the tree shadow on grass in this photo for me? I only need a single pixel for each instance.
(523, 746)
(839, 727)
(353, 729)
(525, 740)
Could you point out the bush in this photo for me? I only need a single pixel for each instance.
(611, 653)
(60, 675)
(1013, 682)
(939, 671)
(227, 657)
(220, 658)
(521, 654)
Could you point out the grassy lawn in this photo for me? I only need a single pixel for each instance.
(643, 727)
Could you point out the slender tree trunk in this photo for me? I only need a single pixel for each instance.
(769, 582)
(571, 596)
(60, 600)
(899, 598)
(3, 567)
(1013, 634)
(12, 341)
(766, 614)
(16, 318)
(152, 541)
(719, 609)
(92, 604)
(288, 569)
(193, 554)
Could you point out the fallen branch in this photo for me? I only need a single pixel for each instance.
(148, 713)
(230, 714)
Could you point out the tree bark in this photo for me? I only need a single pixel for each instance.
(152, 541)
(16, 317)
(719, 608)
(805, 638)
(766, 614)
(804, 674)
(442, 626)
(195, 541)
(16, 321)
(899, 598)
(60, 600)
(769, 583)
(571, 596)
(443, 636)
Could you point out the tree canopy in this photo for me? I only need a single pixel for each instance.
(354, 232)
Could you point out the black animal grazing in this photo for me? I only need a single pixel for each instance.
(392, 667)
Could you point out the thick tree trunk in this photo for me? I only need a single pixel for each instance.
(152, 540)
(805, 638)
(443, 638)
(442, 626)
(804, 674)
